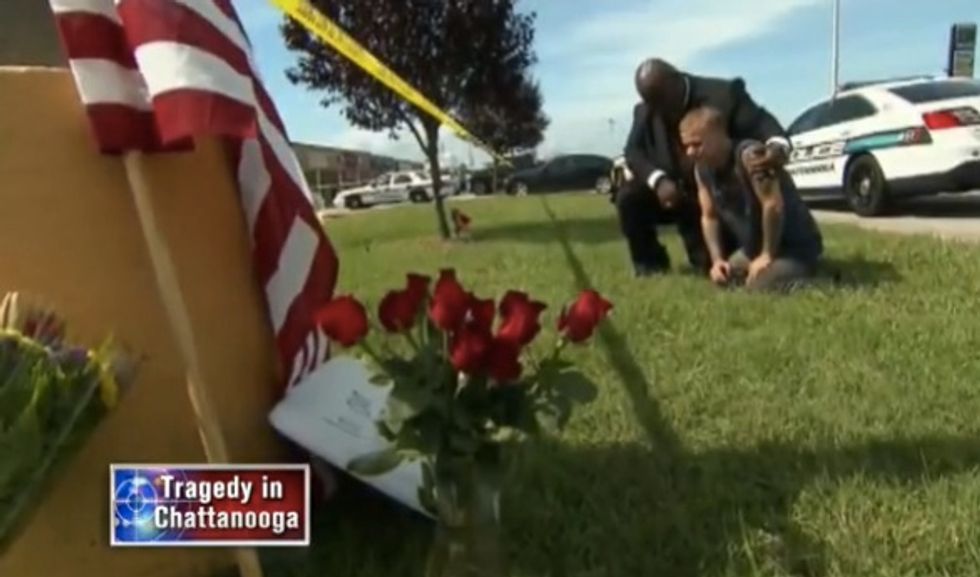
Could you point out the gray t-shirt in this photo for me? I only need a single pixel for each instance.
(740, 211)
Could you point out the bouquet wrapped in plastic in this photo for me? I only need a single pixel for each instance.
(52, 397)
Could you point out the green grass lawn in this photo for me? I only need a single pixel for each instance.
(835, 432)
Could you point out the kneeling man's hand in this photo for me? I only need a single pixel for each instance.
(763, 160)
(758, 265)
(667, 193)
(720, 272)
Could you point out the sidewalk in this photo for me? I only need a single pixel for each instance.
(963, 230)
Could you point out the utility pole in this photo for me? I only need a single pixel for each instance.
(835, 52)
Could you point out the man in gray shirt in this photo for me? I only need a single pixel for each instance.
(779, 241)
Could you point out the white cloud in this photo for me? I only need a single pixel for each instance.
(603, 51)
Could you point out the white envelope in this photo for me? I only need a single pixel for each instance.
(332, 414)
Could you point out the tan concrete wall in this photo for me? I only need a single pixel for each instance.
(69, 234)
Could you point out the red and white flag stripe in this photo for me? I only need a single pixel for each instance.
(154, 74)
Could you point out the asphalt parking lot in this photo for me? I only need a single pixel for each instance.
(954, 216)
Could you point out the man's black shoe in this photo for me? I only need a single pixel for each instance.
(646, 270)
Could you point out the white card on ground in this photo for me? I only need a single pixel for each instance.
(332, 414)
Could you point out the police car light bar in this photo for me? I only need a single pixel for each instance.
(863, 83)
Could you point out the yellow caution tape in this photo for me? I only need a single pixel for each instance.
(328, 31)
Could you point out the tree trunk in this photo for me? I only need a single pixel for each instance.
(432, 151)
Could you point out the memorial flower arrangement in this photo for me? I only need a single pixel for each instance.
(52, 396)
(461, 223)
(465, 389)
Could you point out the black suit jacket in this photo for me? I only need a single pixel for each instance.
(650, 144)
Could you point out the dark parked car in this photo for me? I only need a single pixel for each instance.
(481, 181)
(568, 172)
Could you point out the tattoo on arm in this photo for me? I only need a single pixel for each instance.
(771, 197)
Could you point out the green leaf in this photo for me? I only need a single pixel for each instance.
(462, 417)
(576, 387)
(464, 442)
(428, 476)
(385, 431)
(553, 412)
(423, 435)
(555, 364)
(427, 501)
(563, 407)
(380, 379)
(506, 435)
(562, 364)
(21, 447)
(547, 417)
(405, 402)
(17, 387)
(377, 463)
(399, 368)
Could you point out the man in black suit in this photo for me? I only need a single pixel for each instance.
(663, 187)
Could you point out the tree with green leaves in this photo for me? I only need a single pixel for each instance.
(512, 123)
(463, 55)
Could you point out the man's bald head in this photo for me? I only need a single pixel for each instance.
(661, 86)
(704, 137)
(704, 119)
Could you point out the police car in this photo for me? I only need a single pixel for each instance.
(875, 142)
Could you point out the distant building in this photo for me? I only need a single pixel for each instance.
(328, 169)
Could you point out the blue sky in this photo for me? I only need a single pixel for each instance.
(588, 50)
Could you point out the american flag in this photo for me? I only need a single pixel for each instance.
(154, 74)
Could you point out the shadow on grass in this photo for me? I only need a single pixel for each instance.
(693, 513)
(630, 373)
(720, 512)
(626, 510)
(859, 272)
(598, 229)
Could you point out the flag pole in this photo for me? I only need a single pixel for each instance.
(215, 447)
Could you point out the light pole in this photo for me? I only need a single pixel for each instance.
(612, 131)
(835, 51)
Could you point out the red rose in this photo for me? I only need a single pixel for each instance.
(520, 318)
(481, 314)
(580, 320)
(503, 361)
(450, 302)
(399, 309)
(469, 349)
(417, 286)
(344, 320)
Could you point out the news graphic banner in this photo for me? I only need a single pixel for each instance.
(209, 505)
(335, 36)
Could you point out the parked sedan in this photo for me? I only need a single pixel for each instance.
(394, 187)
(568, 172)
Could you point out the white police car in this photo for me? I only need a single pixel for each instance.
(879, 141)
